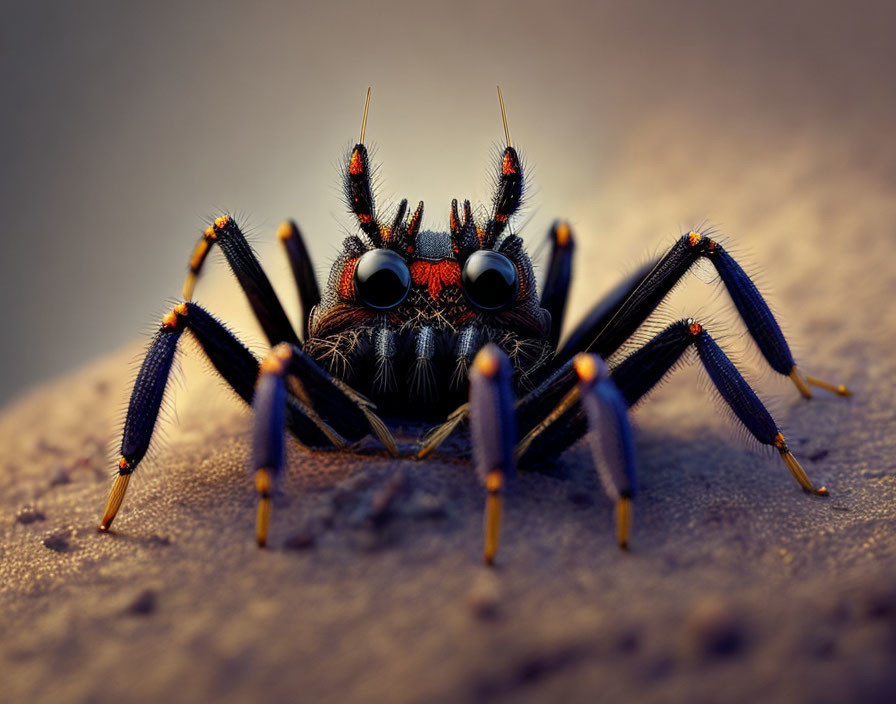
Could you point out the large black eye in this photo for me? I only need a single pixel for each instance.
(382, 279)
(489, 280)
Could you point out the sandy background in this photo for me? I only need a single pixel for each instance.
(774, 125)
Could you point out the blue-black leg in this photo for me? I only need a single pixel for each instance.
(290, 379)
(643, 370)
(588, 330)
(759, 320)
(302, 270)
(555, 290)
(583, 400)
(609, 437)
(255, 284)
(493, 434)
(634, 377)
(656, 285)
(268, 437)
(232, 360)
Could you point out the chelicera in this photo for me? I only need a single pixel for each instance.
(448, 326)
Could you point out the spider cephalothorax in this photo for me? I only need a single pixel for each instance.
(405, 309)
(414, 322)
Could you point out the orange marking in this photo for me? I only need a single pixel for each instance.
(272, 365)
(169, 322)
(210, 233)
(501, 217)
(222, 221)
(508, 168)
(181, 309)
(779, 443)
(346, 287)
(435, 275)
(486, 363)
(712, 245)
(694, 238)
(695, 328)
(585, 367)
(123, 464)
(563, 234)
(263, 482)
(356, 165)
(494, 481)
(284, 232)
(365, 217)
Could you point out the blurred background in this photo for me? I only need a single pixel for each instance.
(125, 126)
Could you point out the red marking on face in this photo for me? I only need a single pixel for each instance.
(435, 275)
(365, 218)
(346, 287)
(356, 165)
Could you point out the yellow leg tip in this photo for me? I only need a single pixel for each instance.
(116, 496)
(623, 521)
(839, 389)
(189, 286)
(800, 383)
(494, 482)
(264, 482)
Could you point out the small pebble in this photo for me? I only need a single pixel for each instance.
(29, 514)
(58, 541)
(144, 604)
(60, 477)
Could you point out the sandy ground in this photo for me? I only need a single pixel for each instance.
(738, 586)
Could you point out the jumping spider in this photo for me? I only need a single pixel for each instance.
(449, 326)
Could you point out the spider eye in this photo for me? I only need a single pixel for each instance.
(489, 280)
(382, 279)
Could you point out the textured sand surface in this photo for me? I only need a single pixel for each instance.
(738, 587)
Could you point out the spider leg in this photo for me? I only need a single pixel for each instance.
(493, 434)
(638, 374)
(601, 314)
(555, 291)
(337, 410)
(244, 265)
(660, 280)
(302, 270)
(231, 359)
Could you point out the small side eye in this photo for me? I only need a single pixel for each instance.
(382, 279)
(490, 280)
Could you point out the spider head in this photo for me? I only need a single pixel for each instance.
(406, 309)
(424, 278)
